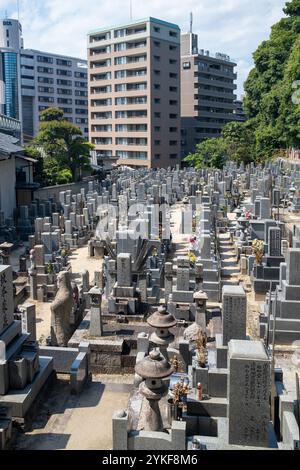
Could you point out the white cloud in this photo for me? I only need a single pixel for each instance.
(235, 27)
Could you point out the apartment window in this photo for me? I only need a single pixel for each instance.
(67, 110)
(101, 76)
(173, 142)
(186, 65)
(120, 74)
(47, 60)
(80, 75)
(7, 33)
(122, 46)
(27, 77)
(157, 142)
(157, 58)
(45, 69)
(46, 99)
(104, 102)
(27, 67)
(173, 129)
(103, 115)
(81, 121)
(173, 34)
(173, 88)
(156, 29)
(64, 62)
(45, 89)
(121, 60)
(66, 73)
(81, 93)
(27, 56)
(81, 111)
(173, 102)
(157, 156)
(172, 47)
(157, 129)
(173, 155)
(81, 84)
(62, 82)
(119, 33)
(157, 115)
(102, 128)
(81, 102)
(131, 100)
(173, 61)
(100, 37)
(42, 108)
(64, 91)
(173, 75)
(130, 114)
(173, 116)
(156, 86)
(28, 87)
(64, 100)
(156, 72)
(48, 80)
(157, 43)
(156, 100)
(101, 89)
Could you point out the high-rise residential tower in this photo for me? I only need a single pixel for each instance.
(207, 93)
(31, 81)
(134, 94)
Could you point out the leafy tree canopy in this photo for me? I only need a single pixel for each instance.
(61, 148)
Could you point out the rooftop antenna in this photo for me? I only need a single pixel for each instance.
(130, 6)
(6, 14)
(191, 22)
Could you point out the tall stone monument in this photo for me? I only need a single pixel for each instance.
(248, 393)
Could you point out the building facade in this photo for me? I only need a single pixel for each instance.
(51, 80)
(31, 81)
(207, 93)
(134, 94)
(239, 112)
(10, 83)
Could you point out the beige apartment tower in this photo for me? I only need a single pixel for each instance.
(134, 94)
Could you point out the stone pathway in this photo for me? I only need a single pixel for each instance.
(78, 422)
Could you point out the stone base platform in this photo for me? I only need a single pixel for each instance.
(22, 401)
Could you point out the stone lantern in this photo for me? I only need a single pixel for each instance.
(161, 320)
(153, 369)
(96, 328)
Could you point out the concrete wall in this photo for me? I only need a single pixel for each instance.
(7, 186)
(53, 191)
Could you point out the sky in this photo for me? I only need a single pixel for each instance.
(233, 27)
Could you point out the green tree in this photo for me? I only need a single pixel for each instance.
(239, 141)
(268, 102)
(209, 153)
(61, 147)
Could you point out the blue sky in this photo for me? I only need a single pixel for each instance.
(234, 27)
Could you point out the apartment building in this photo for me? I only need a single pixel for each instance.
(134, 94)
(31, 81)
(238, 111)
(49, 80)
(207, 93)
